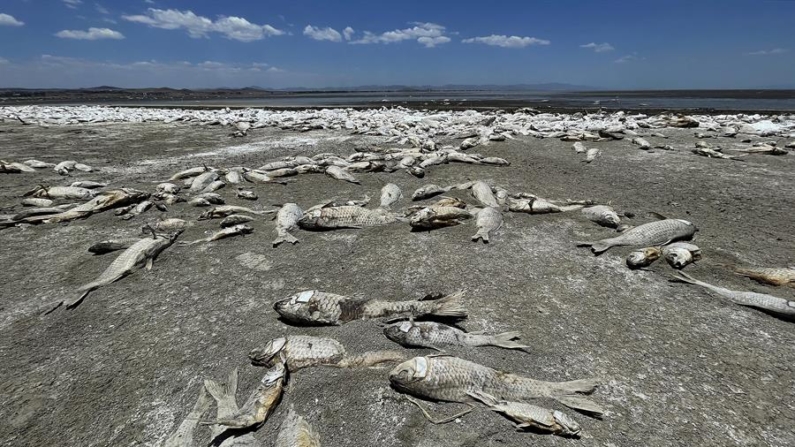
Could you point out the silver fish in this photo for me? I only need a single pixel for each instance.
(296, 432)
(428, 334)
(339, 173)
(38, 164)
(680, 254)
(284, 172)
(142, 252)
(286, 220)
(428, 191)
(451, 379)
(280, 164)
(44, 203)
(656, 233)
(488, 220)
(321, 308)
(643, 257)
(602, 215)
(188, 173)
(62, 192)
(260, 177)
(531, 416)
(202, 181)
(304, 351)
(235, 219)
(224, 233)
(104, 201)
(390, 194)
(183, 436)
(214, 186)
(199, 202)
(769, 303)
(345, 217)
(213, 198)
(535, 205)
(482, 192)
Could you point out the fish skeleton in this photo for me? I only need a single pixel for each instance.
(345, 217)
(531, 416)
(429, 334)
(390, 194)
(767, 275)
(657, 233)
(304, 351)
(142, 252)
(488, 220)
(321, 308)
(769, 303)
(602, 215)
(296, 432)
(451, 379)
(260, 404)
(286, 220)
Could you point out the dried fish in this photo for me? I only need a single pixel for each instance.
(772, 304)
(304, 351)
(286, 220)
(656, 233)
(428, 334)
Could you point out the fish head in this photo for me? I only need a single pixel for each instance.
(275, 375)
(303, 308)
(311, 218)
(270, 355)
(397, 332)
(643, 258)
(678, 257)
(409, 372)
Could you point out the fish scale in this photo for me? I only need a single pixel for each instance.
(659, 232)
(344, 217)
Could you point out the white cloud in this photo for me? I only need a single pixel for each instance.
(275, 70)
(3, 61)
(101, 9)
(628, 58)
(428, 34)
(507, 41)
(348, 33)
(8, 20)
(91, 34)
(236, 28)
(598, 47)
(768, 52)
(72, 3)
(327, 33)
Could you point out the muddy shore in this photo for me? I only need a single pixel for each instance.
(678, 365)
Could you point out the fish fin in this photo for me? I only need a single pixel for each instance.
(482, 235)
(287, 237)
(685, 278)
(222, 391)
(505, 340)
(483, 397)
(582, 386)
(71, 304)
(370, 359)
(657, 215)
(149, 263)
(581, 404)
(596, 247)
(450, 306)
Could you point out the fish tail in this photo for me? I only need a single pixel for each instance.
(450, 306)
(486, 398)
(581, 386)
(371, 358)
(684, 277)
(505, 340)
(482, 234)
(581, 404)
(223, 391)
(71, 304)
(286, 237)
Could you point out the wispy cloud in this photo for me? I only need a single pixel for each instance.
(348, 33)
(326, 33)
(236, 28)
(8, 20)
(598, 47)
(91, 34)
(101, 9)
(768, 52)
(3, 61)
(427, 34)
(72, 4)
(504, 41)
(628, 58)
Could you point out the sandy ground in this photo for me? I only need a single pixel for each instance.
(678, 365)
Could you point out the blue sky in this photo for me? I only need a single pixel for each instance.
(312, 43)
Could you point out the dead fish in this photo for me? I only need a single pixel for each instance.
(235, 219)
(214, 186)
(321, 308)
(460, 157)
(591, 155)
(183, 436)
(234, 177)
(356, 217)
(433, 217)
(218, 212)
(428, 191)
(778, 306)
(138, 209)
(310, 168)
(656, 233)
(83, 167)
(101, 248)
(38, 164)
(224, 233)
(188, 173)
(224, 394)
(166, 225)
(390, 194)
(142, 252)
(711, 153)
(16, 167)
(535, 205)
(286, 220)
(495, 161)
(213, 198)
(641, 143)
(469, 143)
(202, 181)
(602, 215)
(680, 254)
(167, 188)
(37, 202)
(260, 177)
(767, 275)
(246, 194)
(296, 432)
(429, 334)
(65, 167)
(102, 202)
(284, 172)
(260, 404)
(451, 379)
(199, 202)
(88, 184)
(339, 173)
(62, 192)
(434, 161)
(304, 351)
(276, 165)
(531, 416)
(416, 171)
(482, 193)
(579, 148)
(643, 257)
(9, 169)
(488, 220)
(764, 149)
